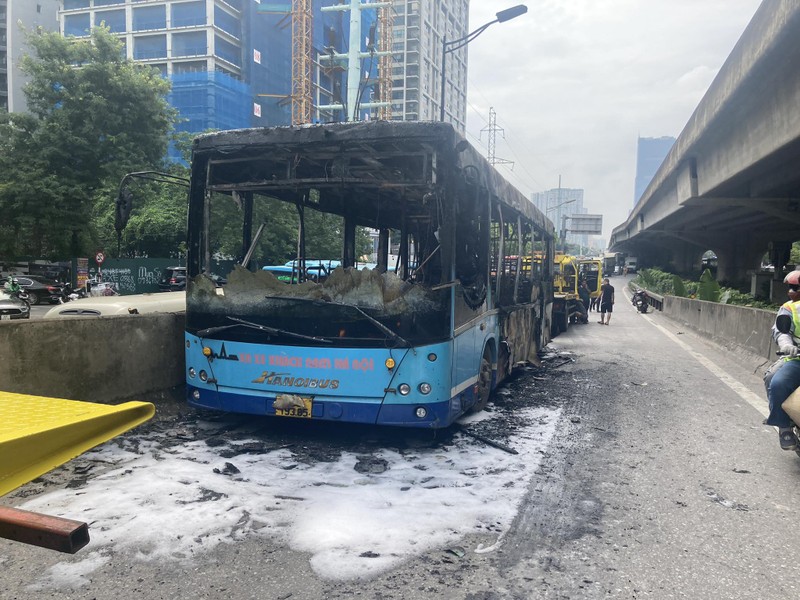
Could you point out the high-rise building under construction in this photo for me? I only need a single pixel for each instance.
(244, 63)
(421, 26)
(14, 16)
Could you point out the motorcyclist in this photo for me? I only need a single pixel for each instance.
(786, 379)
(12, 286)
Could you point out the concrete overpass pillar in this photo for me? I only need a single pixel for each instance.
(652, 255)
(779, 253)
(779, 257)
(685, 258)
(736, 258)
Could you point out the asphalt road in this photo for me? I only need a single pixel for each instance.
(660, 482)
(38, 310)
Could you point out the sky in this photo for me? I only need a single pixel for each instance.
(156, 501)
(574, 83)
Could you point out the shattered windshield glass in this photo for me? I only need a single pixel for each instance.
(361, 307)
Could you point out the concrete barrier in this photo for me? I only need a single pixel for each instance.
(99, 359)
(737, 328)
(106, 359)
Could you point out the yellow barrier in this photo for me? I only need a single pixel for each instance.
(38, 434)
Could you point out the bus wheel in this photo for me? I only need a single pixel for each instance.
(484, 385)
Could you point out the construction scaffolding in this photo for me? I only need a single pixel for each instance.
(359, 79)
(385, 26)
(333, 64)
(302, 38)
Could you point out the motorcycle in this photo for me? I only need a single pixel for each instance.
(95, 288)
(104, 288)
(68, 294)
(640, 300)
(22, 295)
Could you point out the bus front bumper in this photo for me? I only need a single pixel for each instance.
(433, 415)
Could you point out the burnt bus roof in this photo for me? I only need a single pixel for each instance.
(389, 155)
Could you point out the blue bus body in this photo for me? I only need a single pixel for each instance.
(416, 344)
(340, 384)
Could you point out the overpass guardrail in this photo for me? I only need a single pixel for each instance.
(737, 328)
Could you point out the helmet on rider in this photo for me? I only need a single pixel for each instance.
(792, 278)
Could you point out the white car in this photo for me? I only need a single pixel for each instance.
(135, 304)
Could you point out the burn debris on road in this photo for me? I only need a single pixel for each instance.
(529, 387)
(486, 440)
(229, 469)
(371, 464)
(313, 442)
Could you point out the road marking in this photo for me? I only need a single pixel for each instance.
(744, 393)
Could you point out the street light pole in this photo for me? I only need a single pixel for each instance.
(452, 46)
(563, 231)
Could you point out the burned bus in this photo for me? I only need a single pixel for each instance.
(414, 341)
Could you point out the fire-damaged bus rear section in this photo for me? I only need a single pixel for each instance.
(419, 336)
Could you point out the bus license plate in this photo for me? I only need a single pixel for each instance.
(295, 410)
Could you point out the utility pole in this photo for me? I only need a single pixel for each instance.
(493, 129)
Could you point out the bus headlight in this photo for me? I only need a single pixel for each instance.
(404, 389)
(203, 376)
(425, 388)
(421, 412)
(196, 394)
(192, 372)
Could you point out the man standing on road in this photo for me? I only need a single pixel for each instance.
(606, 302)
(585, 296)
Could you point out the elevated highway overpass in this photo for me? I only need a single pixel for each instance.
(731, 182)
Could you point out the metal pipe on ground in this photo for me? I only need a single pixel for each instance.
(45, 531)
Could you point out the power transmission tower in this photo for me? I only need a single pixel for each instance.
(493, 129)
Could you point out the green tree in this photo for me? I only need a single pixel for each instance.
(93, 116)
(678, 288)
(157, 224)
(324, 233)
(794, 256)
(708, 289)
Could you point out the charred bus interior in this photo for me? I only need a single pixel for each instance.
(458, 246)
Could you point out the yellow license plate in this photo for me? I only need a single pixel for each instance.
(289, 405)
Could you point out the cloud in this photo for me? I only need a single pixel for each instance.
(574, 84)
